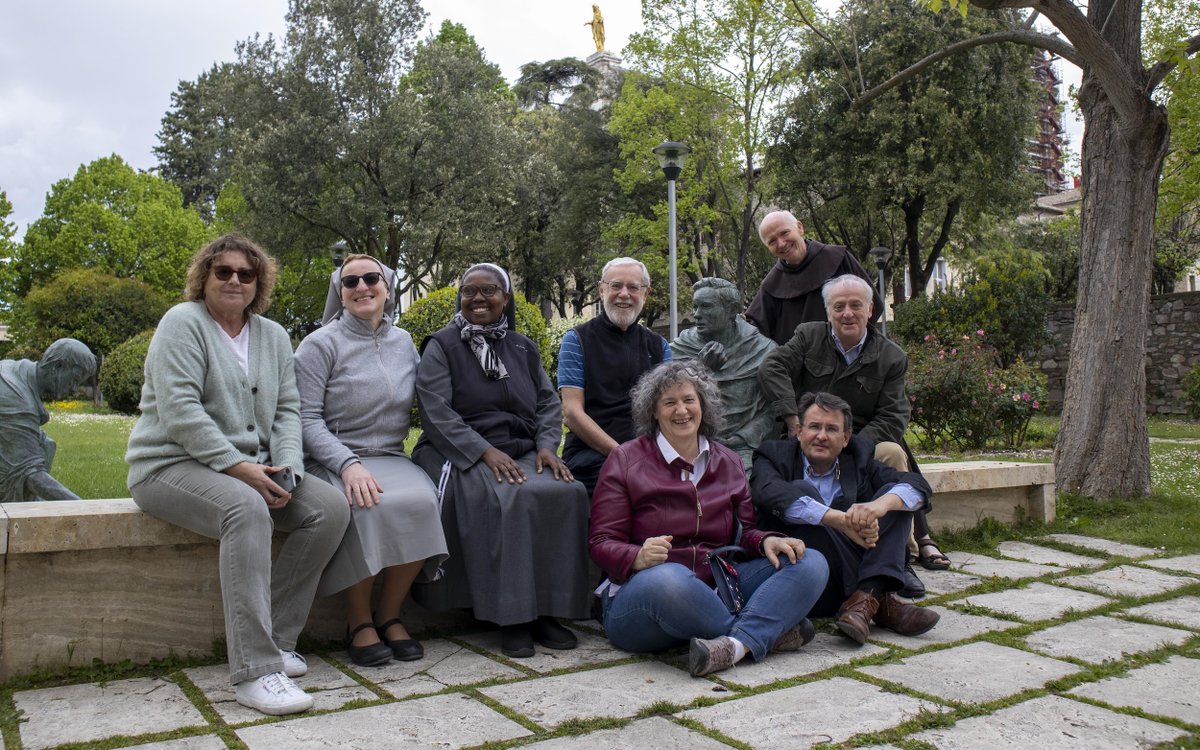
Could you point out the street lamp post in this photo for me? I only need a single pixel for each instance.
(339, 250)
(671, 156)
(880, 255)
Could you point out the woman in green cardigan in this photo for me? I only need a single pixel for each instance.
(217, 450)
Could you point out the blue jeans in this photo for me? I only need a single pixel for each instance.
(664, 606)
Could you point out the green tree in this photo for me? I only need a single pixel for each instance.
(933, 154)
(197, 140)
(716, 68)
(1168, 22)
(551, 83)
(1177, 237)
(122, 373)
(1002, 296)
(8, 230)
(114, 219)
(349, 130)
(563, 187)
(1103, 448)
(8, 247)
(99, 309)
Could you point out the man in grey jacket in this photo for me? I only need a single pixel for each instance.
(849, 358)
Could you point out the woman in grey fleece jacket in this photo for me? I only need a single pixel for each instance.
(219, 430)
(357, 378)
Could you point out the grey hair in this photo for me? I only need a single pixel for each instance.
(649, 389)
(627, 262)
(726, 291)
(828, 402)
(847, 279)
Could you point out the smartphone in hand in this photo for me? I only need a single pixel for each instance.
(285, 479)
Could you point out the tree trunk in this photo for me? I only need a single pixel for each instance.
(1103, 450)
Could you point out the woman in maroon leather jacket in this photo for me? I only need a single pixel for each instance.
(663, 501)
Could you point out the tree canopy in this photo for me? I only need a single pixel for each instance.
(349, 130)
(112, 218)
(712, 73)
(932, 154)
(1103, 448)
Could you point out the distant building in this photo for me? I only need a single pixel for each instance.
(1046, 146)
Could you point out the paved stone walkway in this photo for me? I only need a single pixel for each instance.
(1037, 648)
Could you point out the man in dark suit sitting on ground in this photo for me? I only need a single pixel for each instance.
(827, 489)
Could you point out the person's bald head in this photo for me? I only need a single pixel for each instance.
(783, 234)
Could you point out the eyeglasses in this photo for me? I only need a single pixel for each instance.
(245, 275)
(487, 290)
(617, 286)
(372, 279)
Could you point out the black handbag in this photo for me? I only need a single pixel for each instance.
(725, 576)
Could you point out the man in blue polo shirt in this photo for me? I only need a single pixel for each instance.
(599, 362)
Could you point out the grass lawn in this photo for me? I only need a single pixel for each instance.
(91, 452)
(91, 449)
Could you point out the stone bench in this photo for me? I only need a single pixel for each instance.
(966, 492)
(100, 579)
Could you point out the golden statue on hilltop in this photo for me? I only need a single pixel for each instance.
(597, 24)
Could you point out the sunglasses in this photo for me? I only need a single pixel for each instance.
(487, 290)
(245, 275)
(372, 279)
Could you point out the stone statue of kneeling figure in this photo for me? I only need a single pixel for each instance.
(732, 350)
(26, 452)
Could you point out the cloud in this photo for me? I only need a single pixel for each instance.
(81, 79)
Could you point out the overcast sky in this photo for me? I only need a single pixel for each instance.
(82, 79)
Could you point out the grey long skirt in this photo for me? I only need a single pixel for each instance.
(517, 551)
(403, 528)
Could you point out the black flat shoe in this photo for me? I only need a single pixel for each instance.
(515, 641)
(372, 655)
(548, 632)
(408, 649)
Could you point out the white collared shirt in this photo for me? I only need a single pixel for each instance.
(698, 466)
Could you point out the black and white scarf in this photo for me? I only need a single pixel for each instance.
(478, 337)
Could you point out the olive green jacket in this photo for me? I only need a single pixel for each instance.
(873, 385)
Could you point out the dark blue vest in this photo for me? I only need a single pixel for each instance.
(613, 361)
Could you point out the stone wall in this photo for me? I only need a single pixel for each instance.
(1172, 349)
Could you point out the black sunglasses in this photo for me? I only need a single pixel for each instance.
(372, 279)
(245, 275)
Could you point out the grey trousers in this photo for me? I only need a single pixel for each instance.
(265, 606)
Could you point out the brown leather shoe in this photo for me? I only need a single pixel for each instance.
(854, 616)
(795, 637)
(904, 617)
(708, 656)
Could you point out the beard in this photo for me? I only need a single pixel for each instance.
(622, 317)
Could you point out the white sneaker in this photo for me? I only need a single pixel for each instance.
(294, 664)
(274, 694)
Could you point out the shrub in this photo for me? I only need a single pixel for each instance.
(123, 372)
(99, 309)
(432, 312)
(1004, 293)
(1191, 392)
(962, 397)
(556, 330)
